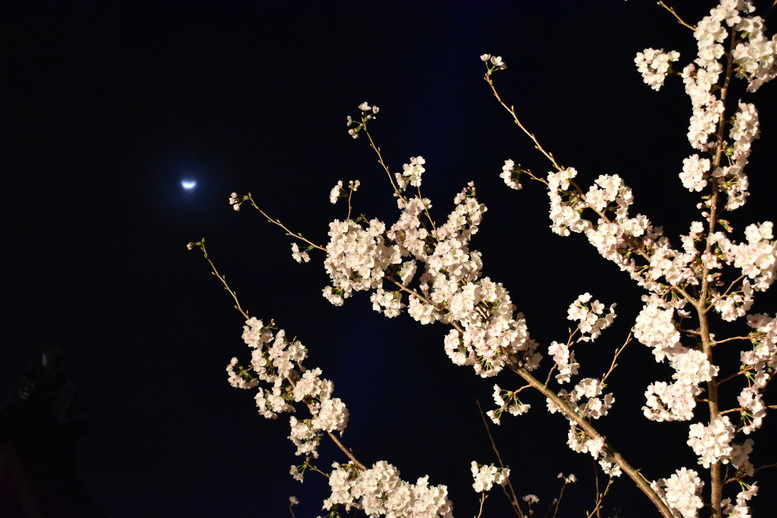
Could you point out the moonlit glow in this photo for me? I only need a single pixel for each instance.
(188, 184)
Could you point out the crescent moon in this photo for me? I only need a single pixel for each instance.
(188, 184)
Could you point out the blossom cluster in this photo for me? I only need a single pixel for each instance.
(379, 491)
(357, 258)
(593, 317)
(757, 258)
(276, 371)
(485, 476)
(586, 401)
(740, 509)
(681, 491)
(712, 443)
(493, 62)
(754, 59)
(411, 173)
(564, 358)
(614, 233)
(655, 65)
(372, 256)
(368, 112)
(655, 328)
(761, 361)
(511, 174)
(338, 191)
(755, 56)
(276, 363)
(694, 175)
(506, 401)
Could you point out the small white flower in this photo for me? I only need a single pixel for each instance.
(300, 257)
(413, 171)
(334, 194)
(235, 201)
(571, 479)
(498, 63)
(509, 175)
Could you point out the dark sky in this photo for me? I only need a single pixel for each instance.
(107, 106)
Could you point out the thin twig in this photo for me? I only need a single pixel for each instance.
(512, 495)
(560, 496)
(677, 16)
(345, 450)
(382, 162)
(618, 352)
(482, 501)
(517, 121)
(286, 229)
(221, 278)
(717, 342)
(597, 510)
(397, 190)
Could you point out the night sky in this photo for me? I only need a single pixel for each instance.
(108, 106)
